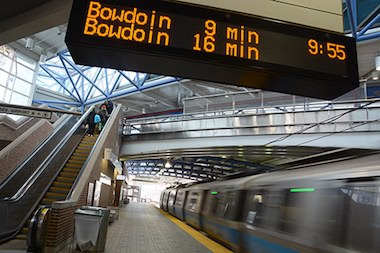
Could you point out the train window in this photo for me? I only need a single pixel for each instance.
(192, 202)
(226, 205)
(360, 226)
(211, 202)
(296, 213)
(179, 199)
(269, 212)
(253, 201)
(171, 197)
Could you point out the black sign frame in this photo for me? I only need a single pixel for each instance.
(156, 59)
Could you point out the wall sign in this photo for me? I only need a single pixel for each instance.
(213, 45)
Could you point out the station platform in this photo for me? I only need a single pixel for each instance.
(142, 227)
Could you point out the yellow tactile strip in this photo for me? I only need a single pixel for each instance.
(204, 240)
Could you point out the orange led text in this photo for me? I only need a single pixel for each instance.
(132, 25)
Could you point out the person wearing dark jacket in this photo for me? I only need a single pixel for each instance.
(104, 116)
(91, 123)
(109, 106)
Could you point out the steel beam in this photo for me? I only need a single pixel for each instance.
(149, 85)
(352, 17)
(70, 78)
(83, 75)
(90, 90)
(39, 101)
(58, 81)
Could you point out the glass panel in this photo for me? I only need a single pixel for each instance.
(22, 87)
(2, 91)
(7, 96)
(27, 62)
(192, 202)
(3, 78)
(5, 62)
(25, 73)
(11, 82)
(361, 220)
(19, 99)
(178, 201)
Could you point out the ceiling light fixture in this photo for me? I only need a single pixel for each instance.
(168, 165)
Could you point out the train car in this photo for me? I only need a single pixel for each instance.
(171, 201)
(222, 211)
(180, 203)
(161, 200)
(193, 206)
(165, 198)
(325, 208)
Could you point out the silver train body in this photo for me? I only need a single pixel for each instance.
(333, 207)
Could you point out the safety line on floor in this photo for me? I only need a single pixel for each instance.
(204, 240)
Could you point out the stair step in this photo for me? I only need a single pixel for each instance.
(21, 237)
(65, 179)
(46, 201)
(76, 161)
(83, 148)
(71, 170)
(79, 158)
(62, 185)
(55, 196)
(88, 142)
(24, 230)
(86, 145)
(59, 189)
(84, 151)
(81, 154)
(73, 165)
(15, 244)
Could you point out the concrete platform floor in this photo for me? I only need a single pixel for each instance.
(142, 228)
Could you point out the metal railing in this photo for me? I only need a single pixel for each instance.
(291, 115)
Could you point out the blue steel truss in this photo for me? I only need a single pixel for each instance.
(90, 85)
(361, 33)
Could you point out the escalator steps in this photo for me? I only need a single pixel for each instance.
(59, 189)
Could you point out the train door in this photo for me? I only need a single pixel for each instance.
(221, 216)
(193, 208)
(179, 204)
(171, 200)
(165, 200)
(161, 199)
(358, 223)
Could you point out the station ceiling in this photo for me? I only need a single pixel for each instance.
(46, 20)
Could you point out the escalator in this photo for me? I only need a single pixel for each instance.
(51, 180)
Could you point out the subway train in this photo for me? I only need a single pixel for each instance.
(330, 207)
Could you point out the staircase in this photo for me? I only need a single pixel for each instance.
(57, 191)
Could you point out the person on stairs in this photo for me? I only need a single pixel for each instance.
(91, 122)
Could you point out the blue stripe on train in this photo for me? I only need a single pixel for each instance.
(251, 243)
(193, 219)
(228, 234)
(256, 245)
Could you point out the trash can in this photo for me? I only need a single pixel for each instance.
(91, 224)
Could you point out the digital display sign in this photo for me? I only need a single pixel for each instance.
(191, 42)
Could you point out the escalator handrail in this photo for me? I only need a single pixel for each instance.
(14, 173)
(41, 168)
(10, 232)
(114, 111)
